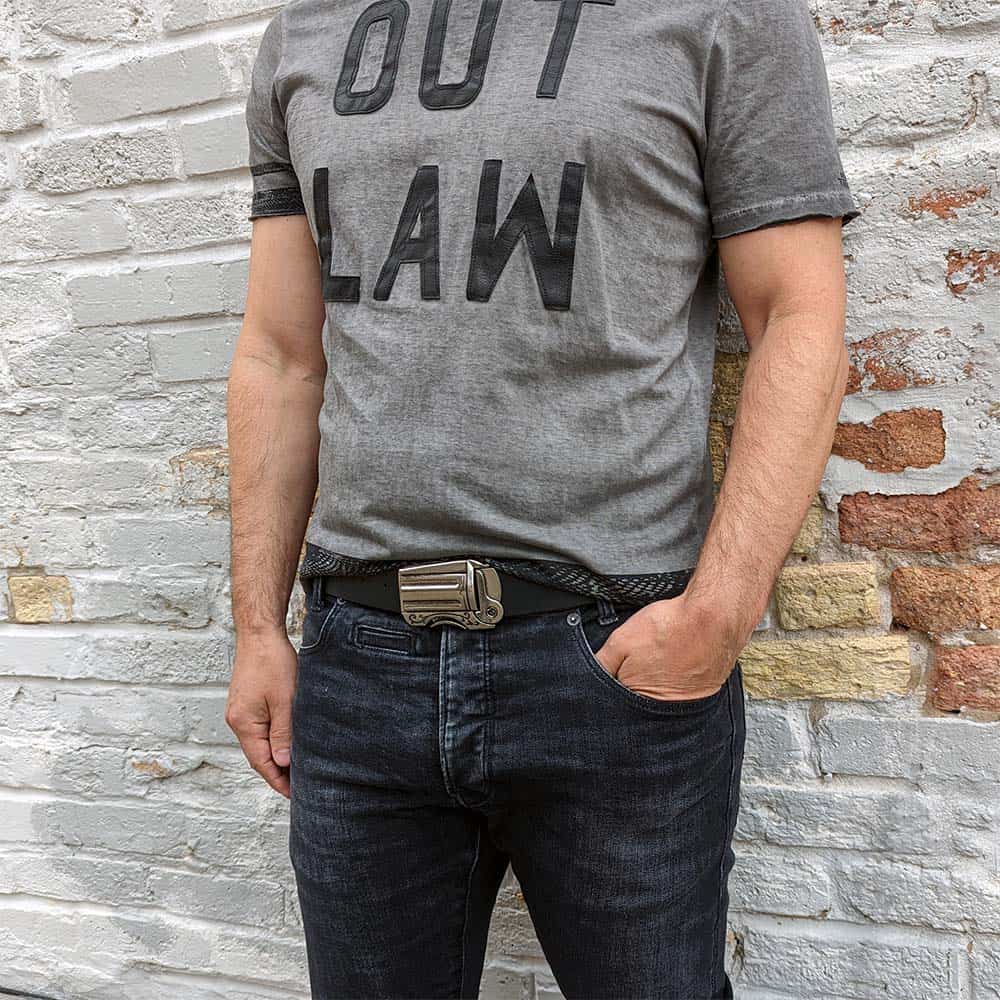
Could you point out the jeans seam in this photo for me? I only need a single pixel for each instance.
(489, 734)
(465, 915)
(716, 947)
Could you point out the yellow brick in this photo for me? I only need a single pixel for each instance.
(38, 598)
(727, 382)
(811, 531)
(853, 668)
(828, 595)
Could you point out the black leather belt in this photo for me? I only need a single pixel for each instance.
(463, 592)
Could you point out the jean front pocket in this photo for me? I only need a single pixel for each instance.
(316, 625)
(589, 634)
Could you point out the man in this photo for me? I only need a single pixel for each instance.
(481, 314)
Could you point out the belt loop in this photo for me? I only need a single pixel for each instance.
(606, 611)
(314, 591)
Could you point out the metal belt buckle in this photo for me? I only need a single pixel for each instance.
(464, 592)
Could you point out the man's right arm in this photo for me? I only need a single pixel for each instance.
(275, 393)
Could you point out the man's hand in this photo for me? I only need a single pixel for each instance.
(259, 706)
(671, 650)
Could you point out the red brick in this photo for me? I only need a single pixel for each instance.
(968, 676)
(957, 519)
(892, 442)
(938, 599)
(882, 361)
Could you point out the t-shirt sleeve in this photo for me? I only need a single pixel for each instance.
(275, 186)
(771, 149)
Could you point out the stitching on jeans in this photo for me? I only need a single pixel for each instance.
(443, 719)
(729, 809)
(488, 735)
(324, 627)
(465, 917)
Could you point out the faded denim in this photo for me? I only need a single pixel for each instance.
(424, 760)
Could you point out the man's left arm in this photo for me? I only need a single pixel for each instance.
(787, 284)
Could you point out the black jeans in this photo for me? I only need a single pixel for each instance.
(424, 760)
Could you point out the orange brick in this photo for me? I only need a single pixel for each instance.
(959, 518)
(892, 442)
(938, 599)
(967, 677)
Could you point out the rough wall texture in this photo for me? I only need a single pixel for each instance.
(140, 858)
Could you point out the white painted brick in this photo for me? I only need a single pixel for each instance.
(212, 777)
(192, 220)
(899, 821)
(940, 894)
(237, 843)
(192, 539)
(100, 359)
(182, 14)
(40, 539)
(780, 882)
(186, 355)
(147, 84)
(155, 597)
(52, 28)
(777, 741)
(109, 160)
(177, 419)
(20, 101)
(44, 481)
(499, 983)
(214, 145)
(916, 748)
(50, 232)
(915, 100)
(965, 14)
(150, 940)
(841, 21)
(985, 962)
(105, 711)
(32, 298)
(156, 656)
(821, 960)
(169, 292)
(37, 423)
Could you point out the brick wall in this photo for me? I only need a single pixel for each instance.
(140, 858)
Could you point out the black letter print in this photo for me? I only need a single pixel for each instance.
(336, 288)
(422, 204)
(434, 95)
(348, 102)
(562, 41)
(552, 260)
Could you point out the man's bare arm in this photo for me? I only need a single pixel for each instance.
(275, 394)
(787, 283)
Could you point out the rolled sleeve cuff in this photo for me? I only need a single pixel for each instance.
(276, 191)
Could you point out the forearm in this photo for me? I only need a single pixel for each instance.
(785, 420)
(272, 412)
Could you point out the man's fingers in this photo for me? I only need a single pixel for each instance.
(610, 655)
(256, 745)
(281, 734)
(257, 750)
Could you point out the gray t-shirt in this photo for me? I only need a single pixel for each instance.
(515, 207)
